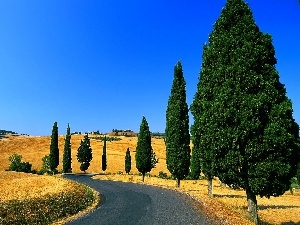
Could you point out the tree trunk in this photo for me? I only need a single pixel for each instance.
(210, 187)
(252, 206)
(143, 176)
(177, 182)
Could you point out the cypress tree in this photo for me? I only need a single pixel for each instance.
(154, 160)
(104, 161)
(243, 119)
(177, 137)
(84, 153)
(195, 168)
(54, 151)
(143, 149)
(127, 161)
(203, 133)
(298, 174)
(67, 157)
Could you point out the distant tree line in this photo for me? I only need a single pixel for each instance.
(106, 138)
(4, 132)
(157, 134)
(121, 131)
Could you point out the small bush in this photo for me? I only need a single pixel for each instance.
(17, 164)
(162, 175)
(46, 166)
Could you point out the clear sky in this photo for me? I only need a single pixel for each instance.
(100, 65)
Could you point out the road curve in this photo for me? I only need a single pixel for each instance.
(130, 203)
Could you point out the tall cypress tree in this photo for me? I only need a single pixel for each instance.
(243, 119)
(54, 151)
(84, 153)
(143, 149)
(195, 168)
(298, 174)
(127, 161)
(177, 128)
(67, 157)
(104, 161)
(203, 130)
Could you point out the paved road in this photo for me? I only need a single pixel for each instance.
(130, 203)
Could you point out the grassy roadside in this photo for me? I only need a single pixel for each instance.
(228, 206)
(24, 204)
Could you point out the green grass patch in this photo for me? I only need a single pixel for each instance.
(46, 209)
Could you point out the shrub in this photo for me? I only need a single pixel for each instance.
(25, 167)
(46, 168)
(18, 165)
(162, 175)
(15, 160)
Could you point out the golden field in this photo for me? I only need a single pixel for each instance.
(227, 205)
(18, 186)
(33, 149)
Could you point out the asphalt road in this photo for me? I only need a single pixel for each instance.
(130, 203)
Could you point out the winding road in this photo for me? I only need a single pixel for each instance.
(130, 203)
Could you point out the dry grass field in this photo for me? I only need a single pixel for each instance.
(227, 205)
(33, 149)
(19, 186)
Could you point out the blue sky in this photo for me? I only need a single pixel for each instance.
(100, 65)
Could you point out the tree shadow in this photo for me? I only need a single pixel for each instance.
(284, 223)
(229, 196)
(263, 207)
(290, 223)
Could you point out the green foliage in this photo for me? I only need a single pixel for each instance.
(143, 149)
(244, 127)
(84, 166)
(157, 134)
(46, 168)
(104, 161)
(46, 209)
(177, 137)
(16, 164)
(127, 161)
(4, 132)
(298, 173)
(195, 168)
(162, 175)
(15, 161)
(67, 157)
(84, 153)
(54, 151)
(154, 160)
